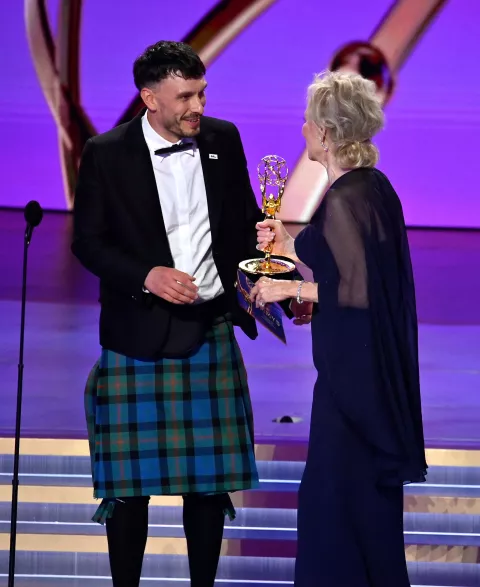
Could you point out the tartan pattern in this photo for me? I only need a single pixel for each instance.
(174, 426)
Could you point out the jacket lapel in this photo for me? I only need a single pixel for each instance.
(141, 173)
(211, 166)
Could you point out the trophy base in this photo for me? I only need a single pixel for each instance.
(260, 267)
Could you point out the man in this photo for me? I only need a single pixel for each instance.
(164, 212)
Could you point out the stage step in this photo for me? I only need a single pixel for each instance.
(58, 545)
(252, 524)
(92, 569)
(75, 470)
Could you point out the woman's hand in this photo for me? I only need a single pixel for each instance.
(273, 230)
(268, 290)
(302, 313)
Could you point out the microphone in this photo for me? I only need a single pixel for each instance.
(33, 214)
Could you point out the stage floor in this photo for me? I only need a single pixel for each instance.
(61, 341)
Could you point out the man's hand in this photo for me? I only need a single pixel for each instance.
(172, 285)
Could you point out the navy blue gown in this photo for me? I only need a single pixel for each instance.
(366, 434)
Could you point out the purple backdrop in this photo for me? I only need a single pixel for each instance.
(433, 121)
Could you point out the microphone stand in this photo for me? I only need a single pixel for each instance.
(16, 457)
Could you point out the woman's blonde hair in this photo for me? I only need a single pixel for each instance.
(346, 105)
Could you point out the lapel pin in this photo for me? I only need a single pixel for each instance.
(213, 156)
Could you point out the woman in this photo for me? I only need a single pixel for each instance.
(366, 435)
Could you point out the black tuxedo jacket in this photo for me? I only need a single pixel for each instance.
(119, 233)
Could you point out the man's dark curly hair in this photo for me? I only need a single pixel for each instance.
(164, 59)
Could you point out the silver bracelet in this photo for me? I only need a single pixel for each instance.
(299, 291)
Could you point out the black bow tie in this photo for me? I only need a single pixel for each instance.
(183, 146)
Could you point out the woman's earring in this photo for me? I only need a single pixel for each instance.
(325, 148)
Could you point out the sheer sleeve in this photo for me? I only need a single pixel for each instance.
(343, 234)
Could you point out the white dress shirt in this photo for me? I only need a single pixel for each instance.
(183, 198)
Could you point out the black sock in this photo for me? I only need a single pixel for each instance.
(127, 532)
(203, 521)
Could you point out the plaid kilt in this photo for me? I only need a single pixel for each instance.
(174, 426)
